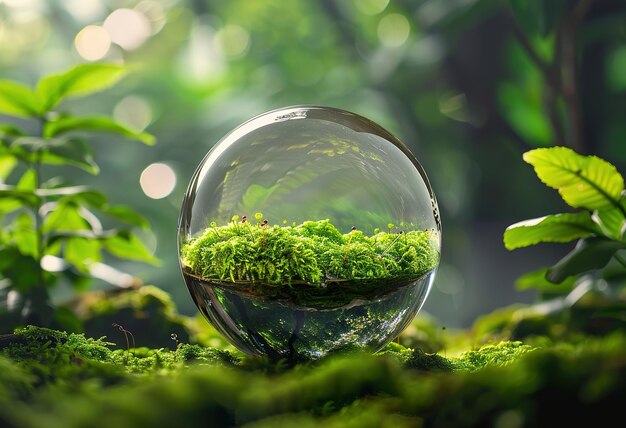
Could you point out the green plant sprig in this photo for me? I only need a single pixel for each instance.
(311, 252)
(586, 182)
(46, 217)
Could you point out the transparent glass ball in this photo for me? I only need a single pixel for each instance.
(308, 230)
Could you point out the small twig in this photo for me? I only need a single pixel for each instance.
(174, 337)
(526, 44)
(214, 227)
(126, 333)
(569, 81)
(552, 76)
(263, 232)
(244, 219)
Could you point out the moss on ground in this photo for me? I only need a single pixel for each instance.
(49, 378)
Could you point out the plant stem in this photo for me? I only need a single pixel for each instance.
(620, 259)
(38, 219)
(41, 311)
(569, 78)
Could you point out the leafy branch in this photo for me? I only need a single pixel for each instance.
(586, 182)
(47, 217)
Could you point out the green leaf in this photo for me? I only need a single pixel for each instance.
(18, 100)
(9, 204)
(551, 228)
(28, 181)
(28, 197)
(522, 106)
(57, 151)
(612, 222)
(125, 245)
(81, 80)
(23, 271)
(99, 123)
(82, 252)
(537, 280)
(7, 164)
(24, 234)
(66, 217)
(10, 131)
(589, 254)
(54, 238)
(538, 16)
(615, 76)
(70, 152)
(256, 195)
(127, 215)
(583, 181)
(80, 194)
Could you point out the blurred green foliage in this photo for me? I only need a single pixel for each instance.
(49, 226)
(462, 83)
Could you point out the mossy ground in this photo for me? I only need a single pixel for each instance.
(49, 379)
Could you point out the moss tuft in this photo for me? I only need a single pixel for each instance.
(311, 253)
(497, 355)
(419, 360)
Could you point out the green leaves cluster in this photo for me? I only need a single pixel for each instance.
(48, 217)
(311, 252)
(586, 182)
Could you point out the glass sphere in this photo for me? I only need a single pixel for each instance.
(308, 230)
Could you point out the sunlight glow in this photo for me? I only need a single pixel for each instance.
(158, 180)
(92, 42)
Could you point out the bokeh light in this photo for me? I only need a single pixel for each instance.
(133, 111)
(24, 4)
(53, 263)
(92, 42)
(371, 7)
(158, 180)
(85, 10)
(128, 28)
(393, 30)
(154, 12)
(232, 40)
(200, 61)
